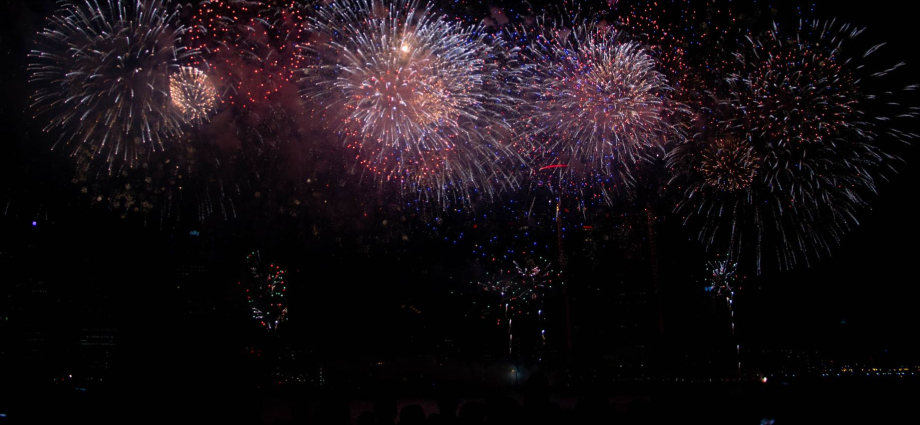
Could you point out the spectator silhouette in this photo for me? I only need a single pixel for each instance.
(366, 418)
(639, 412)
(537, 407)
(593, 410)
(504, 411)
(473, 413)
(412, 415)
(447, 406)
(385, 410)
(536, 392)
(332, 412)
(447, 410)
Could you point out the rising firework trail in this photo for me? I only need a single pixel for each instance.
(722, 283)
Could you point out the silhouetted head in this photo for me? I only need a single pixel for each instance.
(504, 410)
(537, 390)
(447, 405)
(412, 415)
(639, 412)
(366, 418)
(472, 413)
(592, 410)
(385, 409)
(332, 412)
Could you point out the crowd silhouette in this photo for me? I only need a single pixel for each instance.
(536, 408)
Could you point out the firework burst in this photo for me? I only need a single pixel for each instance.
(798, 151)
(722, 279)
(265, 292)
(728, 164)
(416, 95)
(249, 46)
(192, 92)
(522, 295)
(102, 69)
(600, 102)
(227, 32)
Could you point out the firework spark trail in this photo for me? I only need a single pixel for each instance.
(416, 95)
(795, 119)
(102, 70)
(537, 277)
(722, 284)
(600, 103)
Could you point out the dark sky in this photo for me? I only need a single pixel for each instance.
(860, 297)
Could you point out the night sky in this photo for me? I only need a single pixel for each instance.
(374, 276)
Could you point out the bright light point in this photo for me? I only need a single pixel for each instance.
(404, 48)
(34, 224)
(764, 379)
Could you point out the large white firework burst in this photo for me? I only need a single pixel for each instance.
(417, 95)
(102, 68)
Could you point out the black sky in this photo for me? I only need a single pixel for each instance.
(862, 298)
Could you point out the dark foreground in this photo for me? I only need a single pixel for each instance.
(833, 401)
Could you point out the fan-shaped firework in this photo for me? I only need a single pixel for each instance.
(414, 93)
(192, 92)
(102, 69)
(522, 291)
(598, 100)
(801, 105)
